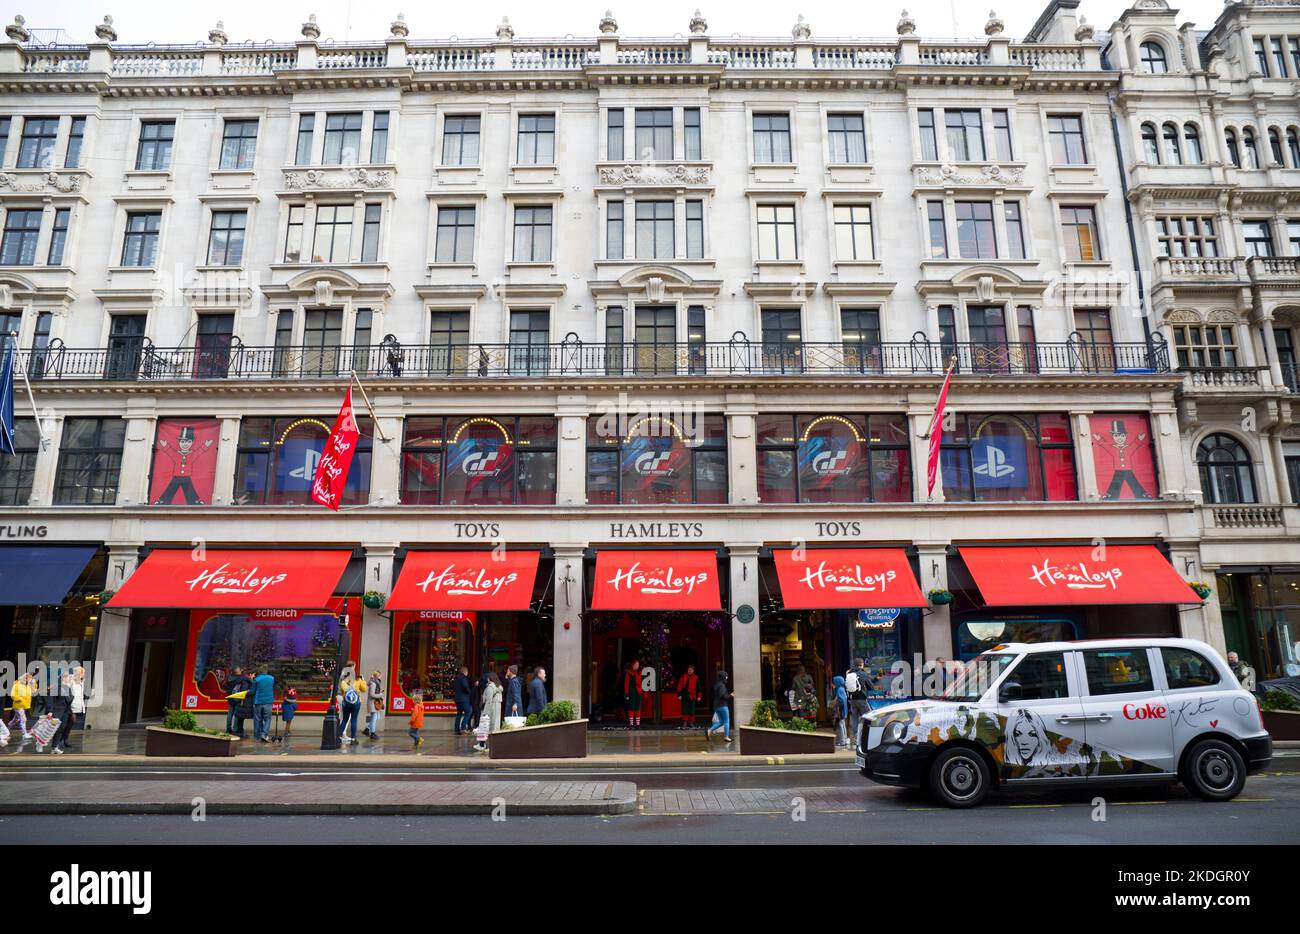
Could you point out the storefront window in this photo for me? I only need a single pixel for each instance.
(17, 470)
(90, 460)
(1275, 635)
(429, 647)
(658, 459)
(1123, 455)
(834, 459)
(278, 457)
(1009, 458)
(479, 460)
(59, 633)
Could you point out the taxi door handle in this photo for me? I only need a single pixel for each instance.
(1103, 717)
(1066, 718)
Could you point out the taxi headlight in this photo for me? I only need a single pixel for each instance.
(894, 732)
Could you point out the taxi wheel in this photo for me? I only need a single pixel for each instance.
(959, 777)
(1214, 771)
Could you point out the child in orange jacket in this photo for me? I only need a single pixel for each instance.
(417, 719)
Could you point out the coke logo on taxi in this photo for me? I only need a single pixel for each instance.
(1147, 711)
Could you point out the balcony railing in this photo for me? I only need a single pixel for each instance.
(737, 357)
(1266, 268)
(1226, 377)
(1248, 517)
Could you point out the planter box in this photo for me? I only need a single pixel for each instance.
(163, 742)
(549, 741)
(1282, 724)
(761, 741)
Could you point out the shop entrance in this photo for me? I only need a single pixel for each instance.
(153, 660)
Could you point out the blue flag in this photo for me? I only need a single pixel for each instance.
(7, 398)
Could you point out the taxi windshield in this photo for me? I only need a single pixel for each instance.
(977, 677)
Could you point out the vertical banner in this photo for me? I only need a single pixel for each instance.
(936, 436)
(332, 470)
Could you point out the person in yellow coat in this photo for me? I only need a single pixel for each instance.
(21, 693)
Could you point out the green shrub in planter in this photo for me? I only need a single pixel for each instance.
(180, 720)
(1274, 699)
(799, 725)
(939, 597)
(373, 599)
(560, 711)
(765, 715)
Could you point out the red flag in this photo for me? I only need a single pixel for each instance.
(332, 469)
(936, 435)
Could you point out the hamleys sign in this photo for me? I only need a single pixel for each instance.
(1075, 576)
(846, 578)
(243, 580)
(1048, 575)
(231, 580)
(466, 580)
(654, 580)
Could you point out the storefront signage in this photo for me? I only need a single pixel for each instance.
(642, 530)
(656, 580)
(477, 530)
(245, 580)
(849, 578)
(466, 580)
(1075, 574)
(24, 531)
(839, 529)
(745, 613)
(878, 617)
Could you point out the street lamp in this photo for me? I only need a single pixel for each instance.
(329, 734)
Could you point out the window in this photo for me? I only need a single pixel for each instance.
(694, 142)
(989, 348)
(1015, 229)
(1205, 346)
(782, 340)
(1192, 138)
(284, 358)
(125, 347)
(21, 231)
(322, 342)
(90, 461)
(59, 236)
(460, 140)
(1293, 236)
(293, 234)
(654, 133)
(1294, 46)
(1079, 224)
(1096, 339)
(140, 246)
(929, 141)
(1291, 458)
(1117, 671)
(655, 339)
(536, 139)
(657, 460)
(277, 458)
(938, 229)
(848, 139)
(834, 458)
(613, 229)
(776, 232)
(76, 138)
(860, 338)
(975, 233)
(448, 341)
(1293, 146)
(772, 138)
(696, 341)
(1185, 668)
(1227, 475)
(454, 242)
(1153, 58)
(1041, 676)
(212, 345)
(1279, 57)
(1275, 146)
(379, 138)
(362, 327)
(370, 223)
(1234, 154)
(1002, 135)
(1173, 152)
(306, 129)
(965, 135)
(1261, 58)
(532, 234)
(226, 238)
(1186, 236)
(479, 460)
(694, 229)
(18, 470)
(36, 148)
(1252, 150)
(853, 240)
(1150, 144)
(614, 134)
(154, 151)
(6, 124)
(1065, 131)
(530, 337)
(238, 144)
(342, 139)
(1258, 237)
(654, 230)
(614, 349)
(1009, 458)
(332, 242)
(947, 331)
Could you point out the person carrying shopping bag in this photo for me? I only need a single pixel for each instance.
(351, 699)
(21, 696)
(490, 721)
(375, 688)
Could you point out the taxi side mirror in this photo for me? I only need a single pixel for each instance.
(1010, 691)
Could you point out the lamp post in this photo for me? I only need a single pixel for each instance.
(329, 735)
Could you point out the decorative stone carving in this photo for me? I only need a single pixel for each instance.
(801, 32)
(353, 177)
(948, 174)
(45, 182)
(643, 175)
(906, 25)
(699, 25)
(1220, 316)
(105, 31)
(505, 32)
(310, 30)
(217, 35)
(324, 290)
(654, 289)
(994, 26)
(1184, 316)
(17, 31)
(398, 28)
(608, 25)
(1084, 31)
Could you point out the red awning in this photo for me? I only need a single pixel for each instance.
(848, 578)
(466, 580)
(234, 580)
(1078, 574)
(656, 580)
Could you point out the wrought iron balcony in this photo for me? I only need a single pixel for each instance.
(233, 360)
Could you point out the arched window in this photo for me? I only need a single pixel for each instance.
(1252, 151)
(1173, 153)
(1275, 146)
(1226, 472)
(1192, 137)
(1153, 58)
(1234, 154)
(1150, 145)
(1293, 146)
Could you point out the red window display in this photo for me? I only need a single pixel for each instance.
(657, 459)
(832, 458)
(1008, 458)
(428, 648)
(184, 461)
(479, 460)
(1123, 455)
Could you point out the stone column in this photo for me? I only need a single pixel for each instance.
(565, 678)
(1170, 462)
(47, 461)
(1204, 622)
(1081, 423)
(375, 626)
(108, 673)
(133, 483)
(920, 419)
(386, 455)
(571, 452)
(742, 459)
(936, 621)
(746, 640)
(223, 487)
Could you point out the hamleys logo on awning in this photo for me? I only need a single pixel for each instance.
(1074, 576)
(657, 581)
(470, 582)
(222, 580)
(846, 580)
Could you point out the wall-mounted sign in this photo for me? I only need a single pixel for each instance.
(745, 613)
(878, 617)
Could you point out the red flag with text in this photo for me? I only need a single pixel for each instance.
(332, 469)
(936, 436)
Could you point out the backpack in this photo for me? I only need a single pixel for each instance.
(851, 683)
(352, 698)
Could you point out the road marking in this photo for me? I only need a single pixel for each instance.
(1045, 806)
(1137, 803)
(1255, 799)
(840, 811)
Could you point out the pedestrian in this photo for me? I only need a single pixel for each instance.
(289, 710)
(417, 719)
(856, 684)
(721, 711)
(60, 707)
(237, 683)
(840, 711)
(537, 692)
(514, 706)
(1244, 674)
(464, 703)
(632, 693)
(804, 691)
(375, 688)
(21, 698)
(79, 697)
(263, 692)
(688, 692)
(492, 696)
(352, 695)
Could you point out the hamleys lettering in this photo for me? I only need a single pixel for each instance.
(659, 580)
(1075, 576)
(475, 582)
(222, 580)
(1145, 711)
(846, 580)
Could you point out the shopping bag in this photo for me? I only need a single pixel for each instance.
(4, 733)
(44, 730)
(484, 727)
(513, 723)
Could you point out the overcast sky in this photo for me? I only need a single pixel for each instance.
(141, 21)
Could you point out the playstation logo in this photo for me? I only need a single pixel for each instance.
(995, 464)
(308, 469)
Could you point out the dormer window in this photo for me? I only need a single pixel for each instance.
(1153, 58)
